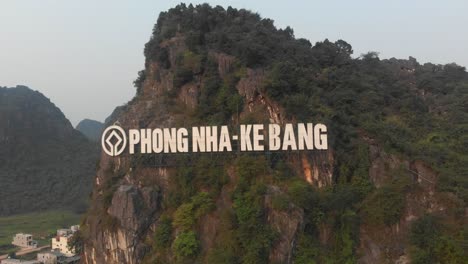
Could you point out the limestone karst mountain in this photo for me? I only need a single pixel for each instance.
(92, 129)
(391, 188)
(44, 162)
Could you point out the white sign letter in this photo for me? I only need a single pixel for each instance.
(321, 137)
(305, 136)
(273, 137)
(182, 140)
(134, 136)
(145, 140)
(170, 139)
(289, 139)
(212, 138)
(224, 140)
(198, 139)
(246, 144)
(158, 145)
(257, 137)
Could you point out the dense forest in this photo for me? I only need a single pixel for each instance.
(398, 111)
(44, 163)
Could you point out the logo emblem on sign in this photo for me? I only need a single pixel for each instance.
(113, 140)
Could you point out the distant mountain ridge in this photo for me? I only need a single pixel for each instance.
(92, 129)
(44, 162)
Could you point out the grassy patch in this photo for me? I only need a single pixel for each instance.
(41, 225)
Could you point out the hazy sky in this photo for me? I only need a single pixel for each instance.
(84, 55)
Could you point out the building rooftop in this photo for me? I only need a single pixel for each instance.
(23, 234)
(19, 261)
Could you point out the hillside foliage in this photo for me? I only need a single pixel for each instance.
(44, 163)
(414, 111)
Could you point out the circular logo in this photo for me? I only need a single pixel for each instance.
(113, 140)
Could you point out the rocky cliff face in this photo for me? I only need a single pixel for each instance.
(142, 185)
(45, 163)
(390, 243)
(355, 202)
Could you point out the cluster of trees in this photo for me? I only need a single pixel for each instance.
(430, 244)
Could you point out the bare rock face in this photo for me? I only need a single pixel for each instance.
(379, 243)
(132, 212)
(384, 242)
(403, 260)
(189, 94)
(225, 63)
(373, 253)
(287, 223)
(249, 86)
(132, 206)
(382, 165)
(317, 168)
(208, 229)
(117, 232)
(135, 210)
(424, 175)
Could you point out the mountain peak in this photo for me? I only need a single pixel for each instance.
(394, 128)
(42, 155)
(92, 129)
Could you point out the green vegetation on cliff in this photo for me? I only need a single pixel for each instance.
(396, 112)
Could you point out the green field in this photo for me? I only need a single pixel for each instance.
(41, 225)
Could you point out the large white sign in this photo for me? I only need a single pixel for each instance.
(250, 137)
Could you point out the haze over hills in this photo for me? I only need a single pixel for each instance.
(45, 162)
(92, 129)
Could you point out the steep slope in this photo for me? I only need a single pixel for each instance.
(92, 129)
(395, 170)
(45, 163)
